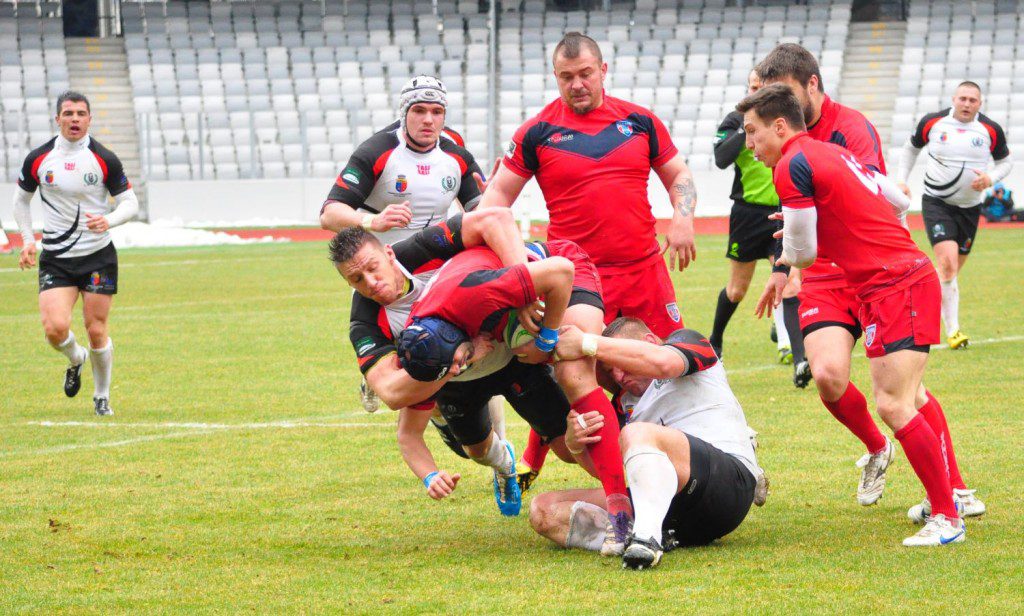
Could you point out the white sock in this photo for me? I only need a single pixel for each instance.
(497, 456)
(75, 352)
(653, 484)
(587, 524)
(780, 328)
(951, 305)
(102, 368)
(496, 409)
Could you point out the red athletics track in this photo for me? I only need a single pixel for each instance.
(703, 226)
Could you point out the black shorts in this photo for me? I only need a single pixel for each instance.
(92, 273)
(531, 389)
(750, 232)
(715, 500)
(944, 222)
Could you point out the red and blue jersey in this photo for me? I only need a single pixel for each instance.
(856, 226)
(593, 169)
(849, 129)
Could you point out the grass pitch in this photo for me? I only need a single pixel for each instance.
(240, 473)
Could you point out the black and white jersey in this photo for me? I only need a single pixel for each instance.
(955, 151)
(699, 403)
(385, 170)
(74, 179)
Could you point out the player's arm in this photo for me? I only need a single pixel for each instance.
(679, 241)
(730, 140)
(794, 183)
(469, 189)
(396, 388)
(23, 216)
(685, 352)
(552, 279)
(907, 158)
(893, 194)
(351, 189)
(126, 203)
(495, 228)
(412, 423)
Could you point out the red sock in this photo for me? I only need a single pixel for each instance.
(605, 453)
(851, 409)
(535, 452)
(933, 414)
(922, 449)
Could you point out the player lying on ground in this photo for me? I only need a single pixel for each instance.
(688, 456)
(829, 307)
(476, 296)
(387, 280)
(829, 198)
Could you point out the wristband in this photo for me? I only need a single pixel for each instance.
(589, 345)
(547, 339)
(429, 478)
(367, 222)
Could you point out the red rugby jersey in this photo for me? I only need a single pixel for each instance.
(593, 170)
(848, 128)
(855, 221)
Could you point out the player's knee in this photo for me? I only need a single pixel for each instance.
(97, 331)
(736, 291)
(946, 268)
(56, 328)
(634, 434)
(830, 378)
(542, 518)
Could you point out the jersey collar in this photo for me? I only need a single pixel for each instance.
(405, 142)
(64, 145)
(789, 142)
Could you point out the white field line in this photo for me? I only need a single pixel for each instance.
(191, 261)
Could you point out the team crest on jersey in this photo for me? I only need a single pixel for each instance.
(673, 311)
(943, 137)
(91, 179)
(448, 183)
(49, 176)
(869, 334)
(625, 127)
(423, 169)
(69, 165)
(977, 142)
(401, 183)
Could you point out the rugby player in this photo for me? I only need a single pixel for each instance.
(960, 142)
(689, 459)
(76, 176)
(387, 280)
(405, 177)
(829, 307)
(751, 236)
(592, 155)
(830, 198)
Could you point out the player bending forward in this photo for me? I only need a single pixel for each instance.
(688, 456)
(830, 199)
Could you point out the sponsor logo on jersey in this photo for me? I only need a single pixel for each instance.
(91, 179)
(364, 345)
(448, 183)
(559, 137)
(869, 334)
(350, 175)
(673, 311)
(69, 166)
(939, 229)
(401, 183)
(625, 127)
(96, 282)
(423, 169)
(734, 249)
(811, 312)
(977, 142)
(510, 149)
(49, 176)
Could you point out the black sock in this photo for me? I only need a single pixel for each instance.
(791, 316)
(723, 312)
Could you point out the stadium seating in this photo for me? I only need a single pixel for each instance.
(33, 72)
(278, 89)
(945, 45)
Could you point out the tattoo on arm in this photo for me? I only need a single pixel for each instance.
(685, 196)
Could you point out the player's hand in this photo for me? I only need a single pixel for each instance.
(570, 343)
(981, 182)
(905, 189)
(771, 297)
(481, 181)
(483, 344)
(581, 430)
(529, 353)
(442, 485)
(27, 258)
(531, 316)
(396, 215)
(679, 243)
(96, 223)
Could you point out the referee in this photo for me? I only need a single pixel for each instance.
(750, 232)
(75, 176)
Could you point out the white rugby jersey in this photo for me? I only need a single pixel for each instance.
(701, 404)
(384, 170)
(955, 150)
(74, 179)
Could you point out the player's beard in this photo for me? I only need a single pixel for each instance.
(808, 112)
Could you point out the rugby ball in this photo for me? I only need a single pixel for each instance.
(515, 334)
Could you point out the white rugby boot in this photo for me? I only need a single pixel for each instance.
(872, 474)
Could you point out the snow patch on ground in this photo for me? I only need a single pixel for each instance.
(142, 235)
(233, 224)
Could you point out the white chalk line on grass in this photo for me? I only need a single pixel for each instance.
(191, 261)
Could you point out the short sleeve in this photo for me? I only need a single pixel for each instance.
(370, 340)
(794, 182)
(521, 153)
(356, 181)
(662, 147)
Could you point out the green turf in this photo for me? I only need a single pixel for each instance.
(135, 514)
